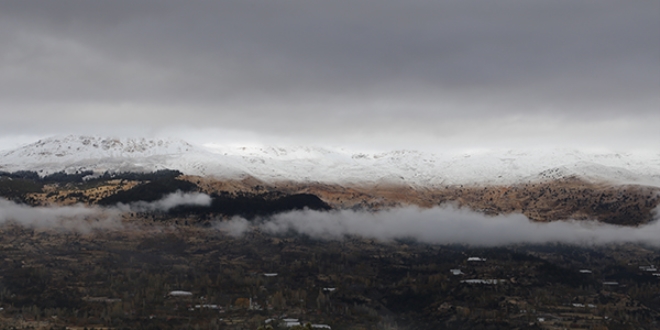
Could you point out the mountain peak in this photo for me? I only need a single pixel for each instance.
(72, 153)
(98, 147)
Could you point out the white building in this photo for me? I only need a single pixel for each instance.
(290, 322)
(483, 281)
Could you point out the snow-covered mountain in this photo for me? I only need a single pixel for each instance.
(307, 164)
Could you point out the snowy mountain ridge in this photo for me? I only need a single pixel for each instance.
(72, 147)
(311, 164)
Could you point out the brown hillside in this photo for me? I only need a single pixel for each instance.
(570, 198)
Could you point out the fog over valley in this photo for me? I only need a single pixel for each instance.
(445, 225)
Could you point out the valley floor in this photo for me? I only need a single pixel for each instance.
(128, 279)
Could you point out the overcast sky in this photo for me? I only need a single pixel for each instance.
(377, 74)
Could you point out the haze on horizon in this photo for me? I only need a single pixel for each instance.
(360, 74)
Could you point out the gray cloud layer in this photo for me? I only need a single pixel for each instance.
(334, 70)
(446, 226)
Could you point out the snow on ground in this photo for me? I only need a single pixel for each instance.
(309, 164)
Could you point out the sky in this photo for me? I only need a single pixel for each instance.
(368, 74)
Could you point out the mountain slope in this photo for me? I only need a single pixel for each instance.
(544, 185)
(306, 164)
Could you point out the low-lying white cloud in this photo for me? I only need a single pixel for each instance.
(78, 217)
(440, 225)
(234, 227)
(449, 226)
(82, 218)
(169, 202)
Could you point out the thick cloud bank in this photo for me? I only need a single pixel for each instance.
(448, 226)
(83, 218)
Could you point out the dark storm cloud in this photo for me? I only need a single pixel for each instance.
(319, 66)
